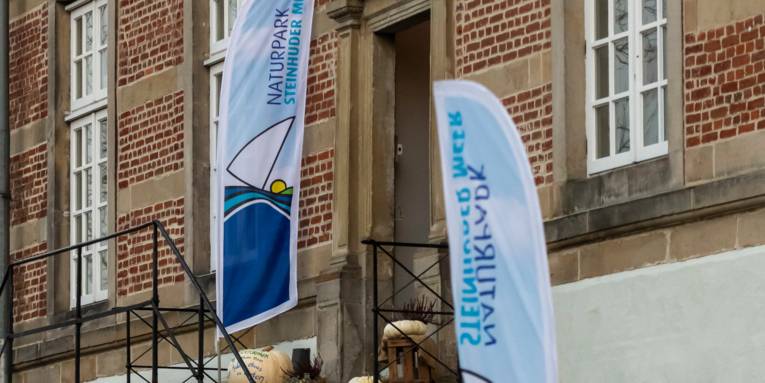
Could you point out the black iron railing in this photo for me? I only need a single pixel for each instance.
(204, 312)
(383, 313)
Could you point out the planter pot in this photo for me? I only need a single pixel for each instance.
(408, 327)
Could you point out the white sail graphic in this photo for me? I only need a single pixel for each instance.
(247, 166)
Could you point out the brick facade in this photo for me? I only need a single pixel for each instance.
(531, 111)
(491, 32)
(28, 67)
(30, 280)
(316, 178)
(150, 140)
(320, 96)
(134, 252)
(725, 81)
(150, 38)
(29, 184)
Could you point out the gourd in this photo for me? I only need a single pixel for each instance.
(406, 326)
(266, 366)
(362, 379)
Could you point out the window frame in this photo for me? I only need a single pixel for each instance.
(637, 151)
(218, 45)
(97, 206)
(99, 49)
(216, 81)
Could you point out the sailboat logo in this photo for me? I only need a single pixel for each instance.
(257, 217)
(246, 167)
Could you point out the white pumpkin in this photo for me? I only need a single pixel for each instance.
(266, 366)
(362, 379)
(408, 327)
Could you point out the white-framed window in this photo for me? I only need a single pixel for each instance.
(626, 82)
(216, 80)
(88, 214)
(89, 34)
(222, 17)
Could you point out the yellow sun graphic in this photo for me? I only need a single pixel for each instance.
(278, 186)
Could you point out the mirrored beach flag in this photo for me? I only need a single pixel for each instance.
(500, 279)
(260, 141)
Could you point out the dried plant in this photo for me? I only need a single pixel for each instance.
(300, 370)
(419, 309)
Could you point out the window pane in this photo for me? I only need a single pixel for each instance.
(88, 188)
(601, 72)
(219, 24)
(102, 69)
(78, 229)
(664, 52)
(103, 183)
(650, 118)
(78, 147)
(88, 226)
(664, 9)
(602, 130)
(102, 223)
(78, 79)
(87, 269)
(622, 114)
(621, 66)
(104, 24)
(649, 57)
(88, 32)
(218, 82)
(621, 17)
(649, 11)
(88, 75)
(88, 144)
(102, 138)
(232, 10)
(78, 36)
(78, 190)
(665, 114)
(601, 19)
(104, 271)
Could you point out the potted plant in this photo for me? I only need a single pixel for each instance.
(413, 321)
(306, 372)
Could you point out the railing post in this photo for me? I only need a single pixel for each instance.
(201, 353)
(78, 315)
(9, 329)
(128, 357)
(155, 303)
(376, 374)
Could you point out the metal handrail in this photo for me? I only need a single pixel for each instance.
(152, 305)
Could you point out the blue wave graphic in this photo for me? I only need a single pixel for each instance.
(237, 196)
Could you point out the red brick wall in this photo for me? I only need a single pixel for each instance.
(531, 111)
(150, 141)
(491, 32)
(316, 177)
(134, 252)
(320, 96)
(150, 37)
(28, 67)
(29, 192)
(725, 81)
(30, 296)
